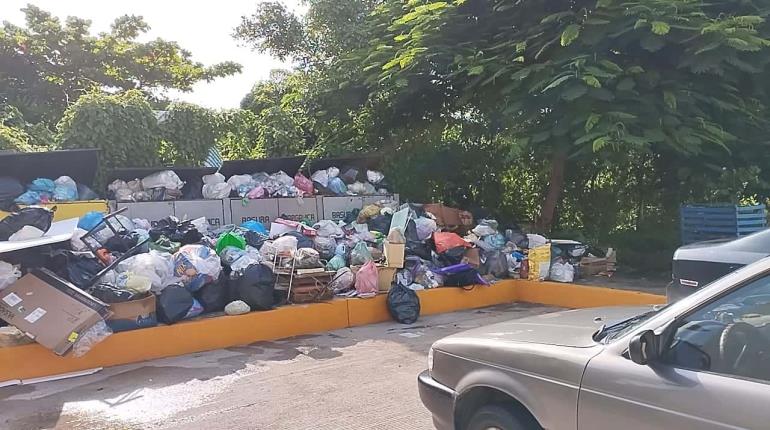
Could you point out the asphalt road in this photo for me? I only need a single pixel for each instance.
(358, 378)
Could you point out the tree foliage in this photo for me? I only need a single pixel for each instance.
(47, 64)
(188, 132)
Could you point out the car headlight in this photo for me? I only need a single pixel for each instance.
(430, 359)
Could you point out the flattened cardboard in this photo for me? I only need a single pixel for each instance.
(50, 310)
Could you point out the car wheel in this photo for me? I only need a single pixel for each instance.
(495, 417)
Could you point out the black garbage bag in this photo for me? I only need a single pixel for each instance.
(418, 249)
(214, 297)
(380, 223)
(173, 304)
(403, 304)
(109, 293)
(193, 189)
(463, 278)
(256, 287)
(81, 269)
(10, 188)
(302, 240)
(37, 217)
(121, 242)
(451, 256)
(254, 239)
(352, 216)
(184, 232)
(349, 175)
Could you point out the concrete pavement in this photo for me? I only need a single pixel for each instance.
(357, 378)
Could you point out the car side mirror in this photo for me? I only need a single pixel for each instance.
(643, 348)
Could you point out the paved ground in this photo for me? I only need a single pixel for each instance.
(358, 378)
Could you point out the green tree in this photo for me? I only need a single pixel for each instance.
(47, 65)
(582, 79)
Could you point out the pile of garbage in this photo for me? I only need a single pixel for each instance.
(144, 274)
(42, 190)
(166, 185)
(351, 181)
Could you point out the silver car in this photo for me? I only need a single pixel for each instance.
(700, 363)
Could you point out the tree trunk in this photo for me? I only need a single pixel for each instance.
(555, 187)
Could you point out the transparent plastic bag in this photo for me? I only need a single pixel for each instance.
(268, 250)
(307, 258)
(561, 272)
(321, 177)
(164, 179)
(374, 176)
(156, 266)
(133, 282)
(332, 172)
(360, 254)
(325, 246)
(216, 191)
(336, 263)
(285, 245)
(425, 227)
(8, 274)
(86, 340)
(214, 178)
(241, 184)
(196, 265)
(344, 280)
(283, 178)
(66, 189)
(256, 193)
(327, 228)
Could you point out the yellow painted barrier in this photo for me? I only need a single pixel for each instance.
(32, 360)
(581, 296)
(67, 210)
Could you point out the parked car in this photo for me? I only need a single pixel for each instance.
(700, 363)
(697, 264)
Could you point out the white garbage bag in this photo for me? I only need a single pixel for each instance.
(165, 179)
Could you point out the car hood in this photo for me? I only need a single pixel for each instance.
(572, 328)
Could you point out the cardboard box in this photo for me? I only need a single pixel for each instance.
(134, 314)
(50, 310)
(394, 254)
(450, 218)
(385, 277)
(212, 210)
(261, 210)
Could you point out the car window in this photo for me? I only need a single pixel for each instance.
(730, 335)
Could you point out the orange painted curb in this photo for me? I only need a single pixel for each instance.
(581, 296)
(32, 360)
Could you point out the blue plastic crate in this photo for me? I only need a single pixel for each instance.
(706, 222)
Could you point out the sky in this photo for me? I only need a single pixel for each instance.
(204, 29)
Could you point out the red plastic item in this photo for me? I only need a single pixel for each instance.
(445, 241)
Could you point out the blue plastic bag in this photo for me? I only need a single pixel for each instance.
(255, 226)
(42, 185)
(90, 220)
(66, 189)
(338, 187)
(28, 198)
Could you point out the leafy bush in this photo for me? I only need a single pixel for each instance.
(123, 126)
(188, 132)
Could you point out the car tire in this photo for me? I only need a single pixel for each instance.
(498, 417)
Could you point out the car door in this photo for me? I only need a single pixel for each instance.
(711, 375)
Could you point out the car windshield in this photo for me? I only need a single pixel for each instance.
(607, 333)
